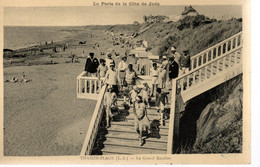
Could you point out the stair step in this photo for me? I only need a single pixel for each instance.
(133, 136)
(128, 129)
(118, 149)
(135, 144)
(131, 124)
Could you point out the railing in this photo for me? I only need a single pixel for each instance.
(210, 64)
(88, 87)
(206, 65)
(94, 124)
(209, 70)
(172, 117)
(212, 53)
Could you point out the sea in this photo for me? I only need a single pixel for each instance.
(16, 37)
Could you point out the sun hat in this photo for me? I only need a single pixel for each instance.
(164, 57)
(109, 87)
(173, 48)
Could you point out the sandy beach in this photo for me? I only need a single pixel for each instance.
(43, 116)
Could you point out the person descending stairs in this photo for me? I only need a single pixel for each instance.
(122, 137)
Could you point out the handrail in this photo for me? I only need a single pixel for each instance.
(218, 44)
(173, 111)
(172, 117)
(211, 49)
(206, 64)
(94, 124)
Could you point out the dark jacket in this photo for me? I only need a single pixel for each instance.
(91, 65)
(173, 70)
(185, 61)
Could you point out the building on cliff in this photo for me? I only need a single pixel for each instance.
(154, 19)
(189, 11)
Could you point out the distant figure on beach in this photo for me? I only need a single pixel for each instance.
(24, 78)
(83, 54)
(91, 65)
(46, 43)
(14, 79)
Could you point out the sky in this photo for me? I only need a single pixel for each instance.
(100, 15)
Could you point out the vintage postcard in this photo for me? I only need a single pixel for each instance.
(125, 82)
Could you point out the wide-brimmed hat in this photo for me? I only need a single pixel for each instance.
(91, 54)
(173, 48)
(109, 87)
(164, 57)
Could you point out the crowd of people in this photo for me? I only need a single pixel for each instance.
(123, 80)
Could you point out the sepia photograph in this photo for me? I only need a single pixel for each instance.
(125, 81)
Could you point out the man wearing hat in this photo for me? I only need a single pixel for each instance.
(111, 77)
(175, 54)
(173, 68)
(185, 62)
(109, 60)
(122, 66)
(91, 65)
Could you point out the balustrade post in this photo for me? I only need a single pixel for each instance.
(95, 86)
(192, 64)
(227, 47)
(85, 88)
(207, 57)
(197, 62)
(231, 44)
(90, 86)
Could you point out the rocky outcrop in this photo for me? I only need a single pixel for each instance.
(219, 127)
